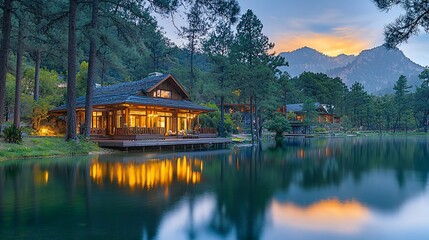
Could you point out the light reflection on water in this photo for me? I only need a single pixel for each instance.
(355, 188)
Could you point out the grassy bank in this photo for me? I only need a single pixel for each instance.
(43, 147)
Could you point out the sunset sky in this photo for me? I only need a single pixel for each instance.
(330, 26)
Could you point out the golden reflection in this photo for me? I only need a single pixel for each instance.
(301, 153)
(147, 175)
(40, 177)
(46, 176)
(327, 215)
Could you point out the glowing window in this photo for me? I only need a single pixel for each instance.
(162, 93)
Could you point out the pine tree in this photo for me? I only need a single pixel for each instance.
(407, 25)
(4, 50)
(401, 99)
(71, 74)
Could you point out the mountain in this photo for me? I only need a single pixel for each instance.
(309, 60)
(377, 69)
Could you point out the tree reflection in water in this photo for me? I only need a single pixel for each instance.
(251, 190)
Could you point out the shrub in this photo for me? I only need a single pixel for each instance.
(12, 134)
(320, 130)
(278, 124)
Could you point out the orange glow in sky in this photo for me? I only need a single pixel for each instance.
(343, 40)
(328, 215)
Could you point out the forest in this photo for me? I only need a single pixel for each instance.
(54, 51)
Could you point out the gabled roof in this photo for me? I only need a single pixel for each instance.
(136, 92)
(298, 107)
(134, 87)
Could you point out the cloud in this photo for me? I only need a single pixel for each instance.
(339, 40)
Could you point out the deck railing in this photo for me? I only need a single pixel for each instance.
(98, 131)
(140, 130)
(206, 130)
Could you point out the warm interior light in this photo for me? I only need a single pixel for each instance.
(44, 130)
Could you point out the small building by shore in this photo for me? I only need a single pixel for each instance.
(151, 108)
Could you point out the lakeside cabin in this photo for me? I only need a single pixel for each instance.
(324, 116)
(152, 108)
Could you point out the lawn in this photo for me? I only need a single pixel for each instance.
(44, 146)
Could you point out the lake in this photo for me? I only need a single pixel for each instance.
(333, 188)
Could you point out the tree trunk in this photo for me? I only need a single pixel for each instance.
(258, 137)
(37, 75)
(191, 88)
(18, 77)
(71, 76)
(252, 133)
(222, 116)
(6, 29)
(91, 69)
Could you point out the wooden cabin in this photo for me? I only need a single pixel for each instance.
(324, 116)
(154, 107)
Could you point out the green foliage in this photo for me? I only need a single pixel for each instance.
(309, 108)
(291, 116)
(357, 101)
(212, 119)
(50, 85)
(405, 25)
(278, 124)
(321, 88)
(421, 101)
(10, 92)
(45, 146)
(319, 129)
(402, 100)
(36, 111)
(81, 79)
(346, 124)
(12, 134)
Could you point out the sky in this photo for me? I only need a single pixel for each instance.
(329, 26)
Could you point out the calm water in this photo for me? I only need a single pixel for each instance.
(353, 188)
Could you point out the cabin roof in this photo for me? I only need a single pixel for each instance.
(136, 93)
(297, 107)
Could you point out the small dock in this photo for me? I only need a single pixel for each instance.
(166, 144)
(299, 135)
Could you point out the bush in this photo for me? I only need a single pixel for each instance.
(320, 130)
(278, 124)
(12, 134)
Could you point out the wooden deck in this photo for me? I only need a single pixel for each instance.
(170, 144)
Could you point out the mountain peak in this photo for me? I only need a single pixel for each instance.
(377, 68)
(311, 60)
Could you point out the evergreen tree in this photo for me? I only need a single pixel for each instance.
(421, 100)
(406, 25)
(4, 50)
(218, 47)
(357, 101)
(193, 33)
(71, 74)
(401, 99)
(251, 48)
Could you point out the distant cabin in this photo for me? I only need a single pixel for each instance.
(323, 111)
(155, 106)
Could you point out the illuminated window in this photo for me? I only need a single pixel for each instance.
(162, 93)
(118, 118)
(97, 119)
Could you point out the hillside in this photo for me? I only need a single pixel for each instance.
(377, 69)
(309, 60)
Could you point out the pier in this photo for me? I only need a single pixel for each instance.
(165, 144)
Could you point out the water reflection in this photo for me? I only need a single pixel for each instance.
(147, 175)
(358, 188)
(330, 215)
